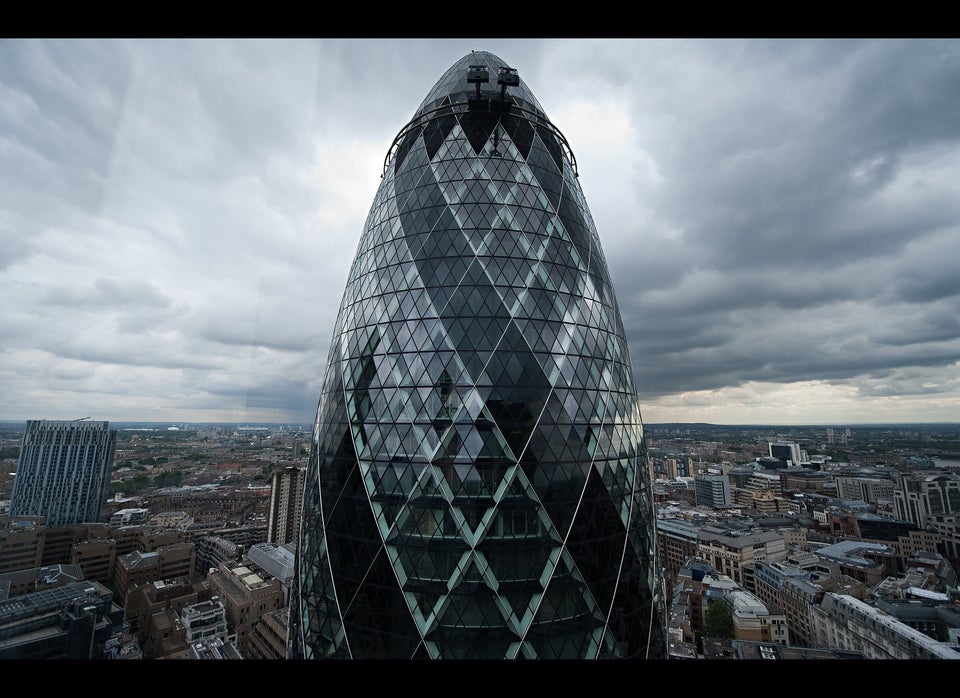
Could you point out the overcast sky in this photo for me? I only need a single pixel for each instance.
(781, 218)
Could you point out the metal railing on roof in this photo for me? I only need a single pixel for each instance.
(454, 108)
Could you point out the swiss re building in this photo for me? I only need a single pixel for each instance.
(479, 483)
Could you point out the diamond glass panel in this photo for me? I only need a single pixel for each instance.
(477, 486)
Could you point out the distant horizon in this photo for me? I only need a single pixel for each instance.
(825, 425)
(181, 215)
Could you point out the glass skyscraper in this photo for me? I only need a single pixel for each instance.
(479, 481)
(63, 471)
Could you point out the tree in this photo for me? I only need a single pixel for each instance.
(718, 620)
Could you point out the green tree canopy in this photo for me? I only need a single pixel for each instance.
(718, 620)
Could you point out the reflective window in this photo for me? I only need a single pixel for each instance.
(476, 487)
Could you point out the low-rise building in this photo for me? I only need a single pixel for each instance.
(27, 581)
(97, 557)
(129, 517)
(212, 550)
(167, 562)
(247, 595)
(729, 552)
(277, 561)
(796, 590)
(147, 600)
(268, 639)
(847, 623)
(866, 562)
(755, 620)
(75, 621)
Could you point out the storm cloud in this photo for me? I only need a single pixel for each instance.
(781, 218)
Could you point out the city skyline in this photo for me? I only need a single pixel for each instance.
(779, 218)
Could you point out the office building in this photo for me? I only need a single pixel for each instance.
(479, 479)
(21, 543)
(129, 517)
(676, 543)
(699, 585)
(786, 452)
(213, 649)
(212, 550)
(27, 581)
(268, 639)
(753, 651)
(794, 590)
(154, 611)
(712, 490)
(199, 631)
(869, 489)
(865, 562)
(26, 543)
(166, 636)
(804, 480)
(740, 476)
(755, 620)
(58, 542)
(920, 496)
(732, 552)
(166, 562)
(63, 471)
(763, 501)
(947, 527)
(97, 557)
(277, 561)
(77, 620)
(845, 622)
(205, 620)
(247, 595)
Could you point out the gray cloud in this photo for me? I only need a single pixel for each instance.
(107, 293)
(779, 217)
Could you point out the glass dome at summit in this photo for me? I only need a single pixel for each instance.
(479, 482)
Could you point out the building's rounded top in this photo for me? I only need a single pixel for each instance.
(453, 86)
(478, 85)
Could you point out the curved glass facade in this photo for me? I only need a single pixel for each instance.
(479, 482)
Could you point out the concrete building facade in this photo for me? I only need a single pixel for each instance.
(75, 621)
(730, 552)
(166, 562)
(246, 595)
(919, 496)
(712, 490)
(286, 505)
(268, 640)
(845, 622)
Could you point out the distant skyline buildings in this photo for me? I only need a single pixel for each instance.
(63, 471)
(788, 452)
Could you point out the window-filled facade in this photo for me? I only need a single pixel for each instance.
(63, 471)
(479, 480)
